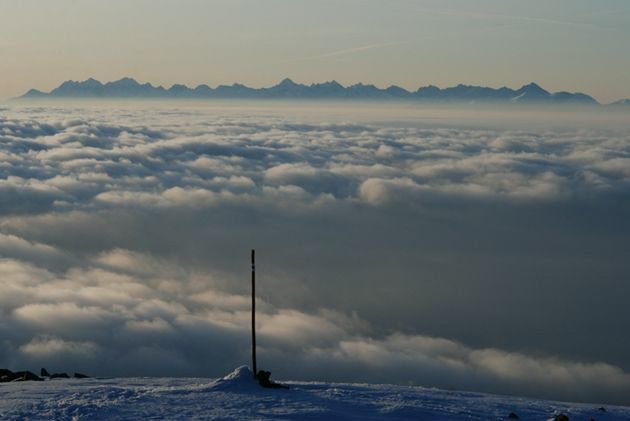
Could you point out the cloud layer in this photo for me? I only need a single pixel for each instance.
(124, 235)
(182, 160)
(126, 315)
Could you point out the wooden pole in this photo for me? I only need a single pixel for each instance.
(254, 312)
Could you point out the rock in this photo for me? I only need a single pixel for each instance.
(264, 381)
(44, 373)
(60, 376)
(25, 376)
(5, 375)
(19, 376)
(602, 409)
(561, 417)
(513, 416)
(80, 376)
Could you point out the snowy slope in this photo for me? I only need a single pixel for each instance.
(238, 397)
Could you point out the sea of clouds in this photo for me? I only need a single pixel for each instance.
(485, 258)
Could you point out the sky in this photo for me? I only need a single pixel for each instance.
(573, 45)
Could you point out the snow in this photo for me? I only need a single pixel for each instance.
(237, 396)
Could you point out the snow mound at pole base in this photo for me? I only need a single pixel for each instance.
(242, 378)
(241, 374)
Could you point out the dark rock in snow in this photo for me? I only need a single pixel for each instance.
(5, 375)
(263, 379)
(561, 417)
(513, 416)
(24, 376)
(21, 376)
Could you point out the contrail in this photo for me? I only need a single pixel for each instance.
(524, 20)
(348, 51)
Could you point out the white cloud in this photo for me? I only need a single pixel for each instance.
(80, 163)
(61, 328)
(122, 248)
(45, 346)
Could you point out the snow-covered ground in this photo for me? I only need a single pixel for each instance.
(238, 397)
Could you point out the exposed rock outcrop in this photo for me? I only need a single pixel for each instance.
(18, 376)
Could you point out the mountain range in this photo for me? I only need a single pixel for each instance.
(287, 89)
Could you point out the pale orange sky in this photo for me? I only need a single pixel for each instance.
(573, 45)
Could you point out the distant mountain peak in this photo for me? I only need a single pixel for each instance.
(331, 83)
(68, 83)
(91, 81)
(34, 93)
(533, 87)
(287, 82)
(624, 102)
(125, 81)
